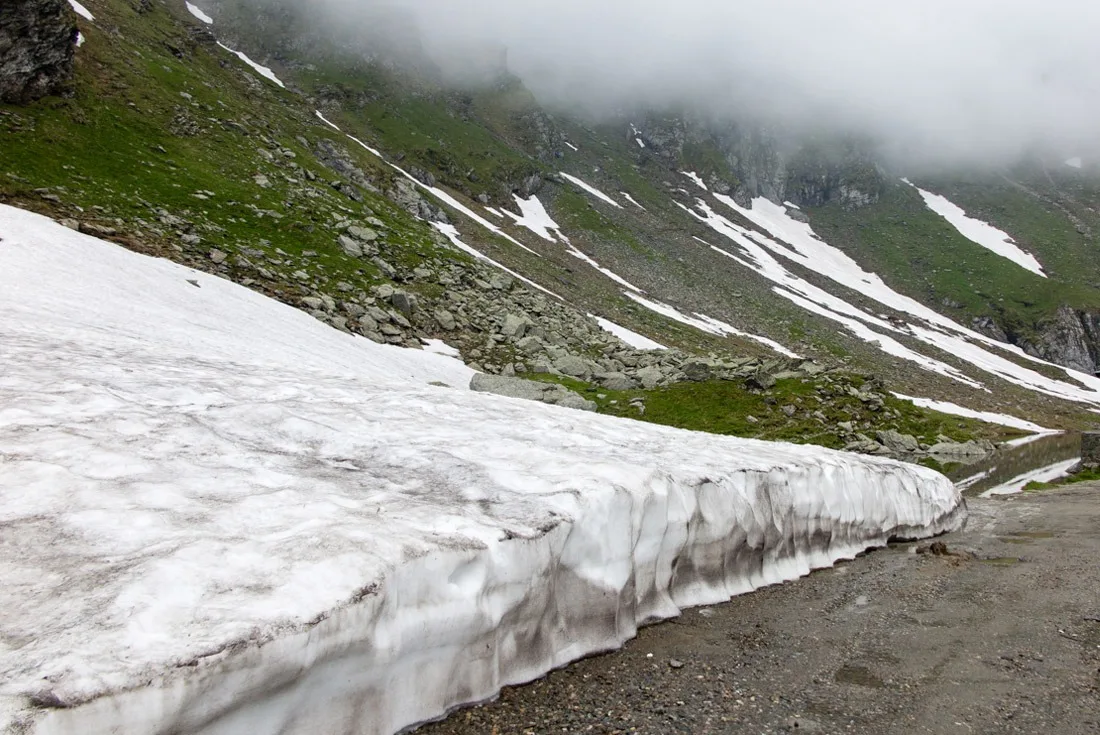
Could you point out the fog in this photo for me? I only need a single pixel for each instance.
(954, 79)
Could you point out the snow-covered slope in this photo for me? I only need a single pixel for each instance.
(221, 516)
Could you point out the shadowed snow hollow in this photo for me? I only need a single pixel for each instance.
(221, 516)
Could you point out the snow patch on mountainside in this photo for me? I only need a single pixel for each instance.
(80, 10)
(452, 234)
(533, 216)
(988, 416)
(260, 69)
(797, 242)
(632, 338)
(707, 324)
(222, 516)
(632, 200)
(591, 190)
(193, 10)
(696, 178)
(1075, 162)
(982, 233)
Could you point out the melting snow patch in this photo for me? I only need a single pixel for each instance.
(367, 535)
(696, 178)
(575, 148)
(1075, 162)
(1043, 474)
(632, 200)
(989, 417)
(607, 272)
(535, 218)
(986, 235)
(591, 190)
(79, 39)
(326, 121)
(199, 14)
(80, 10)
(638, 341)
(708, 324)
(263, 71)
(791, 205)
(495, 212)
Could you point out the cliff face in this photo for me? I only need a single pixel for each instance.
(37, 42)
(1071, 338)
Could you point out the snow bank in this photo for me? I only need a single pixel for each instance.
(221, 516)
(982, 233)
(260, 69)
(632, 200)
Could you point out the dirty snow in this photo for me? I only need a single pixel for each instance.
(199, 14)
(638, 341)
(591, 190)
(263, 71)
(982, 233)
(256, 523)
(80, 10)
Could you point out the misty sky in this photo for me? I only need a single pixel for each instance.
(986, 77)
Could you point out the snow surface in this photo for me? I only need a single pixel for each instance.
(707, 324)
(632, 200)
(696, 178)
(439, 347)
(79, 39)
(263, 71)
(987, 416)
(495, 212)
(591, 190)
(1043, 474)
(632, 338)
(80, 10)
(982, 233)
(199, 14)
(328, 122)
(221, 516)
(575, 148)
(1075, 162)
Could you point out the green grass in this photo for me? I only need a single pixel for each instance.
(727, 407)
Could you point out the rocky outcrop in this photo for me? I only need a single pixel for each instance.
(37, 42)
(1071, 338)
(530, 390)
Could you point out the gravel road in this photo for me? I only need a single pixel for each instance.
(1001, 635)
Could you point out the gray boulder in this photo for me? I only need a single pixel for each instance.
(895, 441)
(530, 390)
